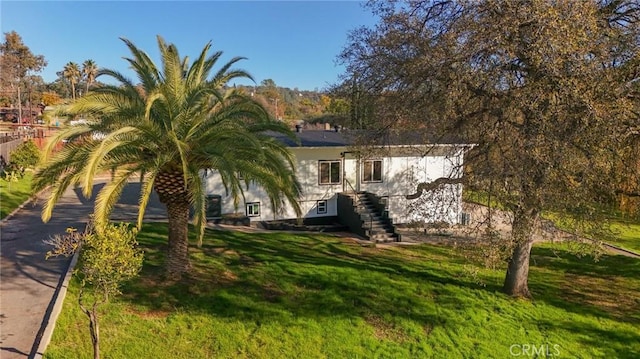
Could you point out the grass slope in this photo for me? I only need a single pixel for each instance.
(627, 235)
(276, 295)
(13, 194)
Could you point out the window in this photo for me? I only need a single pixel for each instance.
(253, 209)
(321, 207)
(329, 172)
(372, 171)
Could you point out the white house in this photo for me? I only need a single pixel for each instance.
(375, 177)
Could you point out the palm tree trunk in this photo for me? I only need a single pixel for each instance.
(178, 252)
(516, 282)
(171, 190)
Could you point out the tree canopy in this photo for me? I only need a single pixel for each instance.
(177, 121)
(17, 59)
(548, 92)
(17, 66)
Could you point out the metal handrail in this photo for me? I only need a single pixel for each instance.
(352, 189)
(358, 199)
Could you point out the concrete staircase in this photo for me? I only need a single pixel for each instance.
(375, 223)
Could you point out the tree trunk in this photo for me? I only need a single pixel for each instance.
(178, 254)
(19, 106)
(95, 334)
(516, 282)
(172, 191)
(94, 329)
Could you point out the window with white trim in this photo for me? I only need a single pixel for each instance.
(321, 207)
(372, 171)
(253, 209)
(329, 172)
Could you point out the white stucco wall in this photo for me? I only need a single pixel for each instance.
(402, 171)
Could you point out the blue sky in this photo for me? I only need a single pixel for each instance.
(295, 43)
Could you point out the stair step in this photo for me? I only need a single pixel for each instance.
(370, 207)
(383, 238)
(376, 224)
(369, 218)
(365, 204)
(365, 210)
(379, 232)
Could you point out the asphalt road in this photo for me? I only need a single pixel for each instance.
(28, 282)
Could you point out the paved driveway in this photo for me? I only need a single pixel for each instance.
(28, 282)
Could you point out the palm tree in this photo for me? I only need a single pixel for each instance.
(177, 122)
(89, 70)
(71, 73)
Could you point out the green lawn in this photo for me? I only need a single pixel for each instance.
(13, 194)
(275, 295)
(627, 235)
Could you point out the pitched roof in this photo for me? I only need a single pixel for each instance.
(326, 138)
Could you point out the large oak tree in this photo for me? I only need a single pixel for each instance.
(548, 91)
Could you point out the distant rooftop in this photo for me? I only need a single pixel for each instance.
(344, 138)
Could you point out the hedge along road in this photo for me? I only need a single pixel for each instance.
(29, 284)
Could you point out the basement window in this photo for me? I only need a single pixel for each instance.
(321, 207)
(253, 209)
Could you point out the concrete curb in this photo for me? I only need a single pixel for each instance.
(52, 317)
(13, 213)
(33, 198)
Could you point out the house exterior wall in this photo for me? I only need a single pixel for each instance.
(404, 168)
(402, 171)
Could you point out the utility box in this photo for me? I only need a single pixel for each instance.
(213, 206)
(465, 218)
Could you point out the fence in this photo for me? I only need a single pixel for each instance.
(10, 140)
(7, 144)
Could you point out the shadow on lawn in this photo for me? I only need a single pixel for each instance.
(252, 276)
(269, 277)
(621, 343)
(608, 288)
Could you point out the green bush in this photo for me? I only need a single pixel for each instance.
(108, 257)
(26, 155)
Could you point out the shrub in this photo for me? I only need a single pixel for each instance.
(26, 155)
(108, 257)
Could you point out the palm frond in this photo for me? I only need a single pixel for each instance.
(143, 66)
(96, 159)
(67, 134)
(197, 72)
(197, 200)
(57, 191)
(145, 195)
(108, 197)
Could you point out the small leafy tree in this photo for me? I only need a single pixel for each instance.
(26, 155)
(108, 258)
